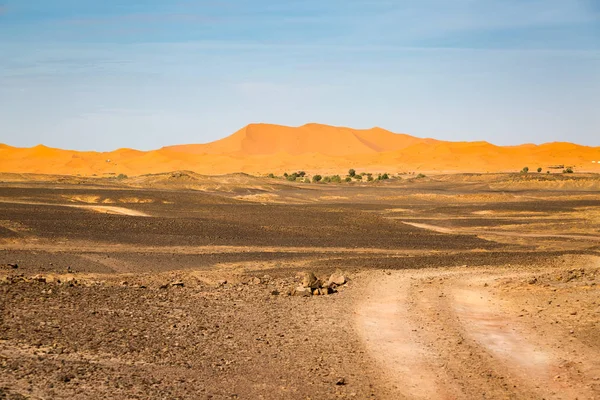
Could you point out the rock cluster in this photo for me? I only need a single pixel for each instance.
(313, 286)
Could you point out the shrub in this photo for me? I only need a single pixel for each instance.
(292, 177)
(421, 176)
(285, 174)
(271, 175)
(568, 170)
(358, 177)
(540, 169)
(301, 174)
(317, 178)
(351, 172)
(336, 179)
(348, 179)
(121, 176)
(525, 170)
(547, 172)
(385, 176)
(326, 179)
(369, 178)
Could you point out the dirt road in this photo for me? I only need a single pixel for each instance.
(457, 334)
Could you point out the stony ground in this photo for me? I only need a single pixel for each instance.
(458, 288)
(90, 336)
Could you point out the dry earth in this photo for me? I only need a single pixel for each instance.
(176, 286)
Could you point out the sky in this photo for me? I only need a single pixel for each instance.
(102, 75)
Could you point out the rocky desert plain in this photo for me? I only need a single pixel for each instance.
(432, 270)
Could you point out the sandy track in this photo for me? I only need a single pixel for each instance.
(103, 209)
(450, 334)
(440, 229)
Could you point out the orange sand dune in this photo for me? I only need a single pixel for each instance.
(264, 148)
(265, 139)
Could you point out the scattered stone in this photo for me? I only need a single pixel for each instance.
(256, 281)
(177, 284)
(275, 292)
(13, 266)
(309, 280)
(340, 381)
(302, 291)
(532, 281)
(166, 285)
(71, 281)
(337, 278)
(222, 282)
(39, 278)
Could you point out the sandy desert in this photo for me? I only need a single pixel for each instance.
(181, 285)
(261, 149)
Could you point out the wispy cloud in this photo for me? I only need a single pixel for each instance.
(145, 18)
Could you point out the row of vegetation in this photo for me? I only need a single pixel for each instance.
(301, 176)
(567, 170)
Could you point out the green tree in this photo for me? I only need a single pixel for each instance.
(540, 169)
(348, 179)
(351, 172)
(525, 170)
(317, 178)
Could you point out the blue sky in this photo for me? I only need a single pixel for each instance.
(100, 75)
